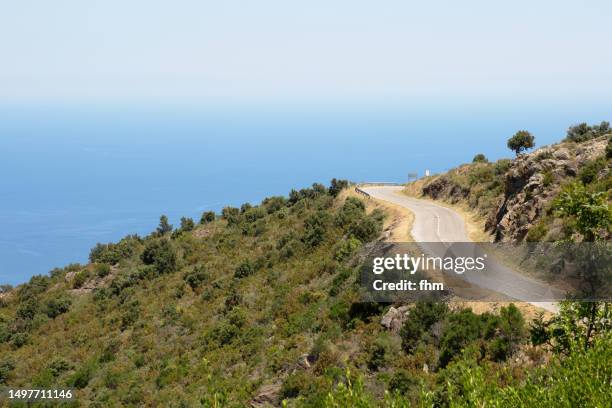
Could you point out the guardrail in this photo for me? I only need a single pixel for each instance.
(381, 183)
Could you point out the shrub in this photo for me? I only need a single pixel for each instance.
(231, 215)
(336, 186)
(274, 204)
(609, 148)
(583, 132)
(346, 249)
(521, 141)
(161, 255)
(58, 306)
(462, 328)
(59, 366)
(207, 217)
(80, 379)
(402, 382)
(6, 366)
(254, 214)
(366, 229)
(27, 309)
(245, 269)
(196, 277)
(591, 169)
(112, 253)
(187, 224)
(502, 166)
(590, 210)
(537, 232)
(80, 278)
(295, 384)
(480, 158)
(102, 270)
(421, 317)
(352, 210)
(547, 178)
(315, 228)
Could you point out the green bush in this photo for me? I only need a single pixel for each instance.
(113, 253)
(421, 317)
(480, 158)
(245, 269)
(187, 224)
(102, 270)
(366, 229)
(6, 366)
(161, 255)
(196, 277)
(402, 382)
(57, 306)
(315, 228)
(583, 132)
(231, 215)
(207, 217)
(537, 232)
(295, 384)
(547, 178)
(588, 173)
(352, 210)
(336, 186)
(81, 378)
(591, 211)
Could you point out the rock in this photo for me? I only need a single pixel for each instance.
(395, 318)
(561, 154)
(267, 396)
(388, 317)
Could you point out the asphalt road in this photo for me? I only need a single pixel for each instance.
(435, 223)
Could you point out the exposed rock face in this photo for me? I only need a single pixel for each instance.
(519, 193)
(395, 318)
(532, 181)
(443, 187)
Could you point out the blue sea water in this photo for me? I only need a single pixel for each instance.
(71, 177)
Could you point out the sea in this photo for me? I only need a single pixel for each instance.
(72, 176)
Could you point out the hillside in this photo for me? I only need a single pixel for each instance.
(516, 198)
(258, 306)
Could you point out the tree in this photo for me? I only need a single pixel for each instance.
(164, 227)
(187, 224)
(480, 158)
(207, 216)
(522, 140)
(337, 186)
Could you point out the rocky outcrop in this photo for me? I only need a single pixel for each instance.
(532, 181)
(394, 318)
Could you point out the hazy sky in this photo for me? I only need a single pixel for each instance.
(331, 50)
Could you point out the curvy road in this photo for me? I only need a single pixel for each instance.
(435, 223)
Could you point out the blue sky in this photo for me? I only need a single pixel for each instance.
(322, 51)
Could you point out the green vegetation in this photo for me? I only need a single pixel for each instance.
(521, 141)
(261, 304)
(582, 132)
(480, 158)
